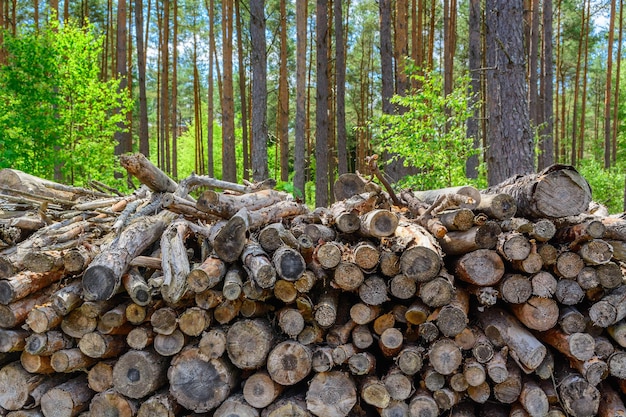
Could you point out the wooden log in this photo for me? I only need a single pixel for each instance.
(342, 353)
(445, 356)
(439, 291)
(13, 340)
(348, 276)
(322, 359)
(457, 220)
(399, 385)
(482, 267)
(513, 246)
(36, 364)
(137, 373)
(557, 191)
(578, 397)
(328, 254)
(422, 258)
(374, 392)
(16, 385)
(604, 347)
(458, 383)
(366, 256)
(136, 286)
(373, 290)
(422, 404)
(474, 372)
(348, 185)
(213, 343)
(537, 313)
(571, 320)
(497, 206)
(543, 284)
(47, 343)
(508, 391)
(193, 321)
(391, 342)
(258, 265)
(209, 299)
(67, 399)
(610, 309)
(596, 252)
(531, 264)
(15, 313)
(235, 406)
(103, 277)
(503, 329)
(71, 360)
(568, 264)
(206, 275)
(453, 317)
(389, 263)
(226, 205)
(611, 403)
(259, 390)
(362, 337)
(68, 297)
(395, 408)
(362, 363)
(274, 235)
(483, 349)
(581, 230)
(402, 287)
(306, 282)
(111, 402)
(161, 404)
(610, 275)
(290, 321)
(227, 311)
(362, 313)
(325, 311)
(534, 399)
(378, 223)
(26, 283)
(141, 168)
(169, 344)
(98, 345)
(331, 394)
(568, 292)
(232, 286)
(289, 362)
(248, 343)
(100, 376)
(198, 383)
(164, 320)
(484, 236)
(446, 398)
(515, 288)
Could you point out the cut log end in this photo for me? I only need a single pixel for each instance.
(99, 283)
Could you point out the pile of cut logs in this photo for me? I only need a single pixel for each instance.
(207, 298)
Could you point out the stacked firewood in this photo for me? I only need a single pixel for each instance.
(180, 300)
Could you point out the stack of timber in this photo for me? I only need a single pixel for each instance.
(180, 300)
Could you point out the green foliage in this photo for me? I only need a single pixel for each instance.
(56, 113)
(607, 185)
(431, 133)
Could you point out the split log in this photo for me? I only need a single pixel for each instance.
(557, 191)
(198, 383)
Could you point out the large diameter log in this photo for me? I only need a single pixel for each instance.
(557, 191)
(289, 263)
(537, 313)
(579, 398)
(137, 373)
(103, 277)
(422, 258)
(504, 329)
(248, 342)
(482, 267)
(67, 399)
(331, 394)
(198, 383)
(16, 384)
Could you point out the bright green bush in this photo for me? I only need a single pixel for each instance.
(55, 113)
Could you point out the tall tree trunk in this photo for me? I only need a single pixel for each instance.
(386, 55)
(475, 61)
(401, 45)
(175, 118)
(54, 7)
(321, 106)
(144, 143)
(282, 121)
(300, 128)
(431, 36)
(245, 137)
(36, 14)
(210, 102)
(533, 65)
(607, 93)
(510, 149)
(574, 145)
(197, 107)
(164, 123)
(340, 79)
(449, 28)
(583, 108)
(122, 135)
(616, 121)
(332, 143)
(260, 170)
(546, 92)
(229, 162)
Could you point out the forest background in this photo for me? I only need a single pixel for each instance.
(462, 92)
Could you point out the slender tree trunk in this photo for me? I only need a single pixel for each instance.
(583, 108)
(607, 93)
(175, 118)
(3, 23)
(475, 60)
(144, 143)
(245, 136)
(229, 162)
(260, 170)
(616, 121)
(574, 148)
(510, 150)
(282, 130)
(321, 106)
(300, 128)
(210, 102)
(332, 142)
(165, 123)
(533, 64)
(36, 14)
(197, 109)
(401, 45)
(546, 91)
(431, 36)
(449, 27)
(122, 136)
(340, 78)
(386, 55)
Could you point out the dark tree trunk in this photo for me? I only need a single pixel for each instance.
(475, 58)
(122, 137)
(144, 144)
(510, 150)
(259, 91)
(300, 140)
(229, 162)
(340, 79)
(321, 106)
(546, 92)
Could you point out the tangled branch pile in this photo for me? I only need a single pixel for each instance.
(506, 302)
